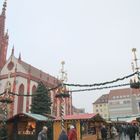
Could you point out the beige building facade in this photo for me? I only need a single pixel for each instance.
(101, 106)
(118, 104)
(124, 102)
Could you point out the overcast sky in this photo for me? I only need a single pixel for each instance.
(93, 37)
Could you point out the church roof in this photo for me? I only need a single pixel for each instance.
(35, 72)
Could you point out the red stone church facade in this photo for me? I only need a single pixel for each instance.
(24, 78)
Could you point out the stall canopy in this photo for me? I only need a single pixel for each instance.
(36, 117)
(26, 126)
(87, 116)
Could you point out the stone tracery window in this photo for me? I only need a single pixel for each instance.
(20, 99)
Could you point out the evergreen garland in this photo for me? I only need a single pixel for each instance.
(135, 85)
(62, 95)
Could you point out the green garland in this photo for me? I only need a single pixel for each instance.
(62, 95)
(135, 85)
(8, 101)
(103, 83)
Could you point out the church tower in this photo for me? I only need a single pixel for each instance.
(3, 37)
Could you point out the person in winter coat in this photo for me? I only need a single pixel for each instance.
(104, 133)
(113, 132)
(72, 135)
(63, 135)
(43, 134)
(132, 132)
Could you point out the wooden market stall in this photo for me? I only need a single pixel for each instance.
(26, 126)
(87, 126)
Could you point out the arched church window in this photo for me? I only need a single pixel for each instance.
(33, 89)
(20, 98)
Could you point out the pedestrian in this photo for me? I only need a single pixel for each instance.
(72, 135)
(63, 135)
(132, 132)
(43, 133)
(113, 132)
(104, 132)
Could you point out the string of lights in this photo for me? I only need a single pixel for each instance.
(104, 83)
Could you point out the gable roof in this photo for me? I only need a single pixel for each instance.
(102, 99)
(33, 116)
(86, 116)
(35, 73)
(123, 92)
(38, 73)
(37, 117)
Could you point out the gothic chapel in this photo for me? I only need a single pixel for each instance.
(23, 78)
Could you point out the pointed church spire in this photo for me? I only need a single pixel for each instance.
(3, 37)
(12, 53)
(6, 35)
(19, 58)
(4, 7)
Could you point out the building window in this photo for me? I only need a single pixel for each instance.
(96, 110)
(117, 97)
(96, 105)
(20, 99)
(100, 105)
(126, 102)
(47, 78)
(33, 89)
(114, 97)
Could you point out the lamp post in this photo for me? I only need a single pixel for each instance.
(63, 94)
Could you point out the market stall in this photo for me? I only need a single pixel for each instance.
(87, 126)
(26, 126)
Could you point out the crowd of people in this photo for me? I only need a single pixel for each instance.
(121, 131)
(72, 134)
